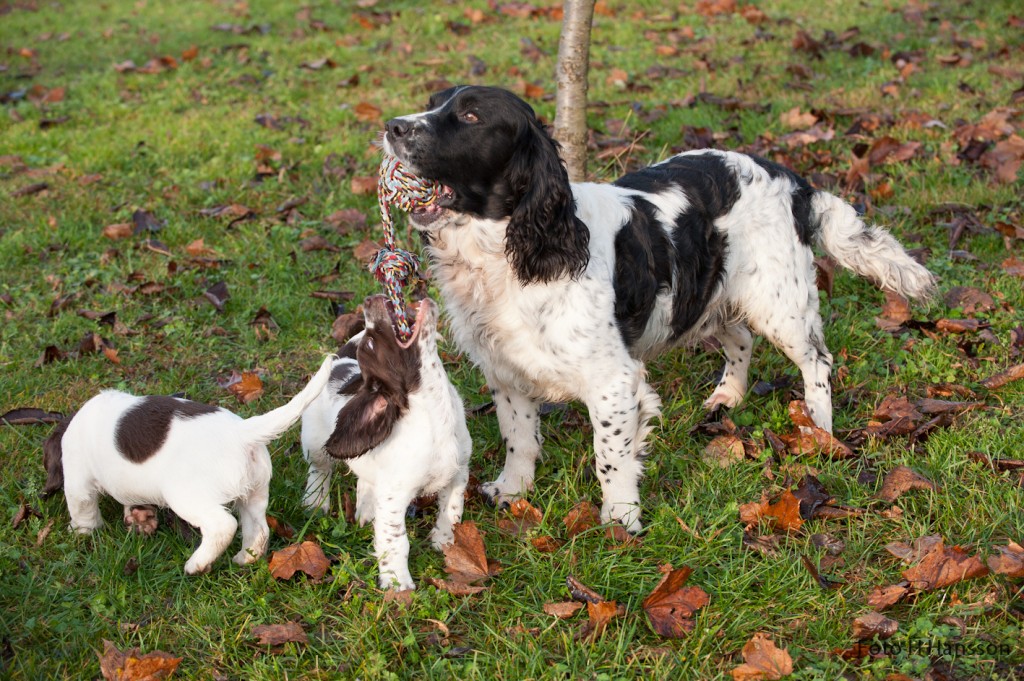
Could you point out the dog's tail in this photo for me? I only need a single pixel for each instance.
(868, 250)
(266, 427)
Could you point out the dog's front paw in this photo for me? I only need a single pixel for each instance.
(245, 557)
(441, 538)
(195, 567)
(723, 396)
(627, 514)
(501, 494)
(395, 582)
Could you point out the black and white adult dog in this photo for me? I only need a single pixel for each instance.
(559, 290)
(392, 415)
(192, 458)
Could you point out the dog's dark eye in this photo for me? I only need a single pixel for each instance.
(469, 117)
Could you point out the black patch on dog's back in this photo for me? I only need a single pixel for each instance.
(712, 189)
(643, 269)
(802, 193)
(142, 430)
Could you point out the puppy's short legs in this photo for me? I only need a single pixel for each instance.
(391, 542)
(519, 421)
(318, 486)
(255, 533)
(84, 507)
(141, 519)
(737, 345)
(215, 523)
(366, 501)
(620, 411)
(450, 501)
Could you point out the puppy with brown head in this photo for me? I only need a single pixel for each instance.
(190, 457)
(392, 415)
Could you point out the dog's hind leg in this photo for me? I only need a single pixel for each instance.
(737, 345)
(519, 422)
(252, 512)
(318, 485)
(217, 526)
(796, 330)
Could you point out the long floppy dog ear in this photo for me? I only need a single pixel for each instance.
(53, 459)
(362, 424)
(544, 239)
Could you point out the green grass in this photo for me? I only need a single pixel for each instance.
(186, 139)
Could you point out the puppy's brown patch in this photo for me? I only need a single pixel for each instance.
(142, 430)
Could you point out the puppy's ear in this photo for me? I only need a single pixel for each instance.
(53, 459)
(362, 424)
(544, 239)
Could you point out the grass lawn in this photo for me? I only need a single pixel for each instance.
(151, 151)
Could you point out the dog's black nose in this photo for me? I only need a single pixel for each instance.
(397, 127)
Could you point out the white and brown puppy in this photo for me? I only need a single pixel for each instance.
(559, 291)
(392, 415)
(192, 458)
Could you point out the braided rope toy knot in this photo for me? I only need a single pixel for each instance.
(393, 266)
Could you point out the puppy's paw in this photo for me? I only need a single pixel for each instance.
(723, 396)
(500, 494)
(142, 519)
(441, 538)
(245, 557)
(627, 514)
(195, 567)
(396, 583)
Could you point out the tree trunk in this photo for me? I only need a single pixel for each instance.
(571, 75)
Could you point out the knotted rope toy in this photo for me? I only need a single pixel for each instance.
(398, 187)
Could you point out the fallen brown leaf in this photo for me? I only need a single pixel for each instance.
(347, 325)
(524, 518)
(279, 634)
(763, 660)
(874, 624)
(247, 387)
(1009, 562)
(600, 615)
(306, 557)
(1014, 373)
(120, 230)
(785, 512)
(130, 665)
(881, 597)
(547, 544)
(455, 588)
(581, 592)
(671, 606)
(581, 517)
(366, 250)
(724, 450)
(902, 479)
(465, 558)
(944, 566)
(563, 610)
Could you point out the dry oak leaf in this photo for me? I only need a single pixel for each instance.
(944, 566)
(365, 250)
(547, 544)
(465, 559)
(809, 438)
(563, 610)
(724, 450)
(581, 517)
(671, 606)
(881, 597)
(581, 592)
(901, 479)
(763, 660)
(306, 557)
(120, 230)
(364, 184)
(279, 634)
(795, 119)
(912, 553)
(1009, 562)
(1014, 373)
(455, 588)
(524, 518)
(247, 388)
(600, 615)
(116, 665)
(874, 624)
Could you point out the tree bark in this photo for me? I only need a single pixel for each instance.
(571, 75)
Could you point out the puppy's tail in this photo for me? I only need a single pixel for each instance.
(266, 427)
(868, 250)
